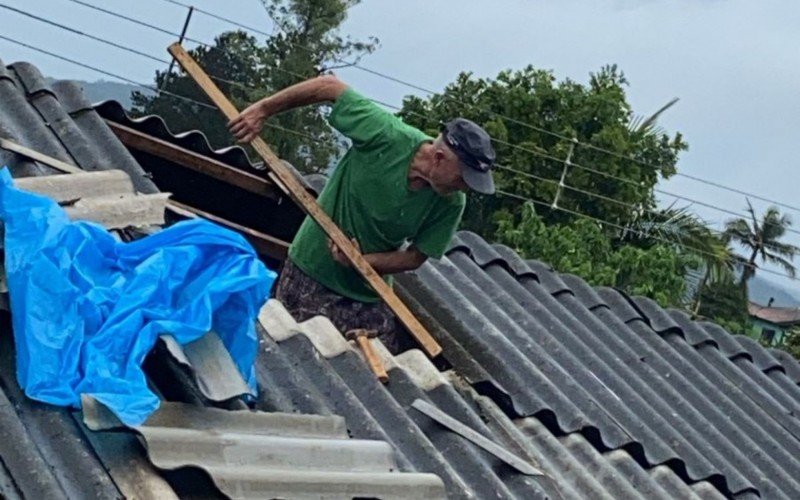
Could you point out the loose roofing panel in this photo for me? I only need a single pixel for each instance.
(623, 372)
(271, 455)
(309, 367)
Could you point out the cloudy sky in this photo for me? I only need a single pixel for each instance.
(734, 64)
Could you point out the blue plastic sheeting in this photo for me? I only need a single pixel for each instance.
(86, 309)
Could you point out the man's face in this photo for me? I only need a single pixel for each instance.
(446, 175)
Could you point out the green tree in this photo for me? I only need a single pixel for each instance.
(597, 115)
(688, 233)
(596, 252)
(306, 44)
(761, 238)
(724, 302)
(791, 342)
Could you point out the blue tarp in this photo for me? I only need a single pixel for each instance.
(86, 309)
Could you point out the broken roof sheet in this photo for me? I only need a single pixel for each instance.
(620, 371)
(202, 191)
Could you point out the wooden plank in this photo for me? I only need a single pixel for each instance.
(72, 187)
(191, 160)
(117, 212)
(263, 243)
(299, 194)
(37, 156)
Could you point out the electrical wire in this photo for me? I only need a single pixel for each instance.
(505, 193)
(499, 141)
(238, 84)
(623, 203)
(636, 231)
(495, 114)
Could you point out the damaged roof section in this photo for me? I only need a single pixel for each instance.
(271, 455)
(197, 175)
(47, 452)
(620, 371)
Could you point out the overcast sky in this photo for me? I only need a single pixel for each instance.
(734, 64)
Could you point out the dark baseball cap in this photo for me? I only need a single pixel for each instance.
(473, 146)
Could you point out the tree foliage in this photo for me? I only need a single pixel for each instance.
(591, 250)
(725, 302)
(597, 115)
(306, 43)
(791, 343)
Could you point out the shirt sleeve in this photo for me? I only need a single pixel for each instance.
(433, 237)
(360, 119)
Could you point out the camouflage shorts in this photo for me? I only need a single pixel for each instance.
(305, 298)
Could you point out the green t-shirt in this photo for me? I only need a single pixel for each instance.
(369, 199)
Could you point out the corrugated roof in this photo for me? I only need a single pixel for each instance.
(777, 315)
(271, 455)
(610, 396)
(48, 453)
(58, 121)
(620, 371)
(310, 367)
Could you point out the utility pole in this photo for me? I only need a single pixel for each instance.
(180, 41)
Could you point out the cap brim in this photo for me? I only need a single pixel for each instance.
(481, 182)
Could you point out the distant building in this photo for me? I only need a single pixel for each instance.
(770, 324)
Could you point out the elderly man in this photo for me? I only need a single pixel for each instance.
(398, 193)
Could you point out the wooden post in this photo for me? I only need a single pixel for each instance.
(299, 194)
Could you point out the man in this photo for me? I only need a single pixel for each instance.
(398, 193)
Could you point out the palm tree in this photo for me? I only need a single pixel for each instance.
(762, 238)
(688, 233)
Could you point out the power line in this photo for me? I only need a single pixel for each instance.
(547, 156)
(238, 84)
(499, 141)
(626, 204)
(500, 115)
(633, 230)
(138, 84)
(81, 33)
(513, 195)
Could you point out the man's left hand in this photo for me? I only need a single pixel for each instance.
(337, 253)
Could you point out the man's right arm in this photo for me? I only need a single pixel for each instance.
(248, 124)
